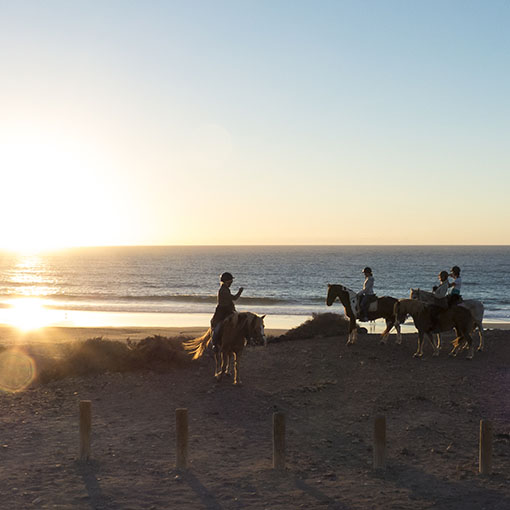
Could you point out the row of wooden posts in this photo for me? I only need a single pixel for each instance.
(379, 447)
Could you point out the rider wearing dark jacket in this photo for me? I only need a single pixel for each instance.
(224, 308)
(455, 286)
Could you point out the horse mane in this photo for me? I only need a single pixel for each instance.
(339, 286)
(411, 306)
(237, 321)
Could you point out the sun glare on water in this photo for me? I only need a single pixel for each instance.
(28, 314)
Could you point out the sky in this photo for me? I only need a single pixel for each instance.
(254, 122)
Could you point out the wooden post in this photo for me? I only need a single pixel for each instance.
(85, 428)
(278, 441)
(380, 442)
(485, 457)
(181, 431)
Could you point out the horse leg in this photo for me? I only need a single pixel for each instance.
(225, 362)
(481, 345)
(438, 342)
(399, 334)
(419, 350)
(457, 343)
(434, 345)
(219, 363)
(227, 370)
(353, 330)
(386, 333)
(237, 380)
(470, 346)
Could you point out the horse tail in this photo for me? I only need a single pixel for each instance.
(197, 346)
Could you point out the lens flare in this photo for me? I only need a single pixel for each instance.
(17, 370)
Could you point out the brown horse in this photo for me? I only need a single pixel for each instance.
(456, 317)
(381, 308)
(238, 328)
(473, 305)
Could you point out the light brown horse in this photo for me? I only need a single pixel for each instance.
(237, 329)
(381, 308)
(456, 317)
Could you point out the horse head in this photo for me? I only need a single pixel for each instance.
(337, 291)
(414, 294)
(332, 295)
(255, 329)
(347, 297)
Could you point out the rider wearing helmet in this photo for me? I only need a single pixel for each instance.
(365, 293)
(224, 308)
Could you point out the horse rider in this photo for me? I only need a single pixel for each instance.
(455, 286)
(224, 308)
(365, 294)
(440, 299)
(440, 291)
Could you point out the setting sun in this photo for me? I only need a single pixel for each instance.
(59, 193)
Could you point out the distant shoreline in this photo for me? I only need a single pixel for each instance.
(10, 335)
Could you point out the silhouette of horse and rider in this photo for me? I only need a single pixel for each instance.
(434, 312)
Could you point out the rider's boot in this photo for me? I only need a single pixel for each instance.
(216, 338)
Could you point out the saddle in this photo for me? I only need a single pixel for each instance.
(371, 299)
(370, 304)
(454, 299)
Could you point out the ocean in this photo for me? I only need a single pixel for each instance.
(177, 286)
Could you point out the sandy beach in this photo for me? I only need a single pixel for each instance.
(10, 335)
(329, 393)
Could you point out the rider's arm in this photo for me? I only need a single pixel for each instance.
(239, 292)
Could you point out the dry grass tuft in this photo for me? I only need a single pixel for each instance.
(97, 356)
(320, 325)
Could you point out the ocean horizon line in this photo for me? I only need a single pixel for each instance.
(248, 245)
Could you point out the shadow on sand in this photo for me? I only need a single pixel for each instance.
(206, 497)
(88, 472)
(321, 498)
(467, 494)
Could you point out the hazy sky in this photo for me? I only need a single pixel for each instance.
(254, 122)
